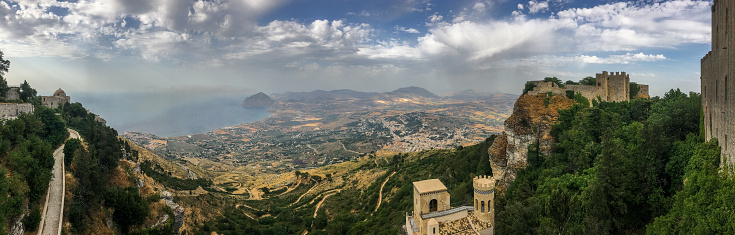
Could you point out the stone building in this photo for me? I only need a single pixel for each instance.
(12, 110)
(609, 87)
(57, 100)
(716, 81)
(13, 93)
(432, 213)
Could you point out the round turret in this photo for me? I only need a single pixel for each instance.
(484, 187)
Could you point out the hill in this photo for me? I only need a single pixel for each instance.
(258, 100)
(414, 91)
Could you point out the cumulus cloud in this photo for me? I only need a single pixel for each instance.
(626, 58)
(221, 31)
(536, 6)
(406, 30)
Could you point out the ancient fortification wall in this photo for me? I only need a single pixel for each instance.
(716, 81)
(610, 87)
(12, 110)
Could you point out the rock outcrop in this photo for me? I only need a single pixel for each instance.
(530, 122)
(258, 101)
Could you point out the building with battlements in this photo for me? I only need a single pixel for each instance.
(609, 87)
(716, 81)
(57, 100)
(432, 213)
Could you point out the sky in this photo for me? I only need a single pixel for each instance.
(198, 48)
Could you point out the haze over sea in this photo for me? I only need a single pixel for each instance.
(166, 115)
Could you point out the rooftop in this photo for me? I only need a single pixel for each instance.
(429, 186)
(446, 212)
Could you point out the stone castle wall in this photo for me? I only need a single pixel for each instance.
(716, 82)
(12, 110)
(610, 87)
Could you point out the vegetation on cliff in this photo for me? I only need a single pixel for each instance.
(616, 167)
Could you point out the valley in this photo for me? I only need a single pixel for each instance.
(319, 128)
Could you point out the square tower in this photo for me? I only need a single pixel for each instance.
(428, 196)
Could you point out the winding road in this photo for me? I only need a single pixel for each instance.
(53, 211)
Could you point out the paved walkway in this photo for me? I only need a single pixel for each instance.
(53, 212)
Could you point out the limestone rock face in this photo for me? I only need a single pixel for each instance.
(258, 100)
(530, 123)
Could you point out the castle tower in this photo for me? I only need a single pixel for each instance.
(484, 200)
(428, 196)
(716, 81)
(613, 87)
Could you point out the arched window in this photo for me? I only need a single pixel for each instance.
(432, 205)
(489, 203)
(434, 231)
(482, 206)
(476, 204)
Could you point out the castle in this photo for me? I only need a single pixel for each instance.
(432, 213)
(716, 68)
(609, 87)
(57, 100)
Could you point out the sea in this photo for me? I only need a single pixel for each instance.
(169, 116)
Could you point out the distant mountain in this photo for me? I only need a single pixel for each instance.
(258, 100)
(414, 90)
(472, 94)
(326, 95)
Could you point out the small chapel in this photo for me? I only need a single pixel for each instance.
(432, 213)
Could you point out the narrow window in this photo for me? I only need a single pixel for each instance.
(482, 206)
(489, 207)
(432, 205)
(726, 97)
(434, 231)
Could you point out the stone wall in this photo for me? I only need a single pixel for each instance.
(610, 87)
(716, 82)
(643, 91)
(12, 110)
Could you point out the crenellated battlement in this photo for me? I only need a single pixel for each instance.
(483, 182)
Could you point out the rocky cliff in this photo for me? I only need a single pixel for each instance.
(258, 100)
(529, 123)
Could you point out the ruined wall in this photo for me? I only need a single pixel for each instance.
(716, 81)
(588, 92)
(643, 91)
(12, 110)
(546, 87)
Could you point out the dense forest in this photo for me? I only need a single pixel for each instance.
(616, 168)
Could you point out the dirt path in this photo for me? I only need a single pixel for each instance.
(53, 210)
(345, 148)
(291, 189)
(318, 205)
(302, 195)
(380, 194)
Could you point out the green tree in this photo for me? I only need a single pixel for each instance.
(4, 66)
(71, 146)
(26, 92)
(634, 89)
(554, 80)
(590, 81)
